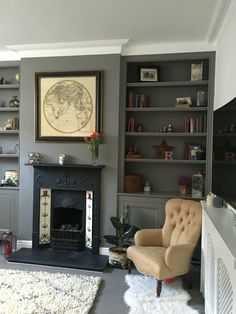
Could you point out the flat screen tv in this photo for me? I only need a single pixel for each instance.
(224, 153)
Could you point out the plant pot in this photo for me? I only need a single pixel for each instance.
(118, 257)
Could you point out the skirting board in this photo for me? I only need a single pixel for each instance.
(28, 244)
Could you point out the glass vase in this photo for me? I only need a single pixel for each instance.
(95, 155)
(14, 102)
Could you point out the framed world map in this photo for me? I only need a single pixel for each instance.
(68, 105)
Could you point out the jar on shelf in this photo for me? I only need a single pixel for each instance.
(147, 187)
(14, 102)
(201, 95)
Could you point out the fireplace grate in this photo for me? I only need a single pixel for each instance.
(68, 239)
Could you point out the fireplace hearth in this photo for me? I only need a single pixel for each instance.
(66, 216)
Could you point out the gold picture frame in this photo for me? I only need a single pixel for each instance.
(68, 105)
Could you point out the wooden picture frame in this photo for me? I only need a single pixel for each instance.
(148, 74)
(68, 105)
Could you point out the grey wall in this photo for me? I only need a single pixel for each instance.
(78, 151)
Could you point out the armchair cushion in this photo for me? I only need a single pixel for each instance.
(148, 237)
(149, 260)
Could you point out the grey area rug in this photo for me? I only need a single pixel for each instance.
(23, 292)
(141, 297)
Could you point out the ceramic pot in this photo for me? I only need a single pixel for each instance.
(118, 257)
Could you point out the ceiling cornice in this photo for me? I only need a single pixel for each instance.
(153, 48)
(218, 18)
(98, 47)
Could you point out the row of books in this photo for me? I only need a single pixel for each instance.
(195, 125)
(137, 100)
(131, 125)
(14, 123)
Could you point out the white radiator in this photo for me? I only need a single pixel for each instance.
(218, 261)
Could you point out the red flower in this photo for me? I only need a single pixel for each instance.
(94, 140)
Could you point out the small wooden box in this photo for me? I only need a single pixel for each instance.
(133, 183)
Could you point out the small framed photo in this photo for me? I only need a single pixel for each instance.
(183, 102)
(196, 71)
(149, 74)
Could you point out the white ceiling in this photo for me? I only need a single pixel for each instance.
(150, 22)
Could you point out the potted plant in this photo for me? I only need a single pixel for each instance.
(184, 184)
(123, 238)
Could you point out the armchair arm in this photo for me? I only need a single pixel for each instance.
(148, 237)
(178, 258)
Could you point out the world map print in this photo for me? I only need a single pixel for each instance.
(68, 106)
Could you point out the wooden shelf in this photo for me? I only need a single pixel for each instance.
(166, 84)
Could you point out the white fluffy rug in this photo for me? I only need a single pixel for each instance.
(141, 297)
(45, 293)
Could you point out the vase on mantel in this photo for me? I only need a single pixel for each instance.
(95, 155)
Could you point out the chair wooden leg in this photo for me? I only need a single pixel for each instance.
(129, 265)
(159, 287)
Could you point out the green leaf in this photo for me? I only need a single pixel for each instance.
(131, 232)
(126, 227)
(112, 239)
(116, 223)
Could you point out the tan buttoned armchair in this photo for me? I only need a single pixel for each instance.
(167, 252)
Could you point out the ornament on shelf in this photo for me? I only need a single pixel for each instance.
(14, 102)
(168, 155)
(170, 128)
(147, 187)
(133, 153)
(160, 149)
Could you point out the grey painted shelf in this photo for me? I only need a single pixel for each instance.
(152, 105)
(229, 134)
(158, 194)
(171, 109)
(166, 84)
(10, 132)
(166, 134)
(9, 86)
(165, 161)
(9, 187)
(9, 109)
(225, 162)
(9, 155)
